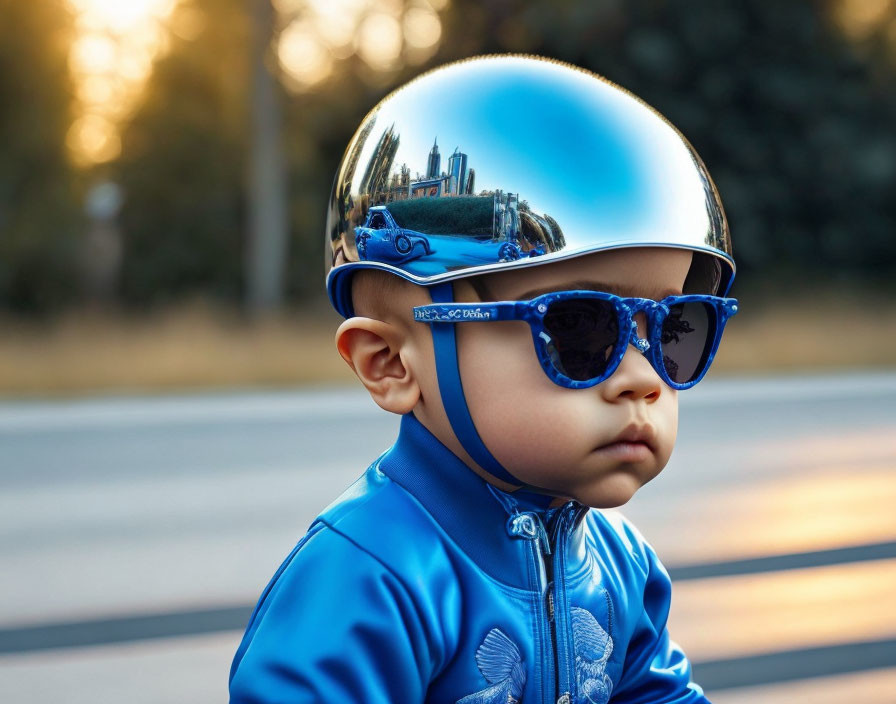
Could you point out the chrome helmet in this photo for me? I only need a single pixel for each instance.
(501, 162)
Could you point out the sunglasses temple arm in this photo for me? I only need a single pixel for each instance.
(469, 312)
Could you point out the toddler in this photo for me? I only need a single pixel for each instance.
(531, 308)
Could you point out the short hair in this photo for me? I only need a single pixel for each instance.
(378, 294)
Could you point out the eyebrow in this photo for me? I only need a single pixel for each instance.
(623, 290)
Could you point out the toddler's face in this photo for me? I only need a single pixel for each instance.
(597, 445)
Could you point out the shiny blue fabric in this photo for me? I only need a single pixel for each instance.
(422, 583)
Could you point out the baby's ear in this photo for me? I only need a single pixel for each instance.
(372, 348)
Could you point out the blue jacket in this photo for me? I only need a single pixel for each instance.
(424, 584)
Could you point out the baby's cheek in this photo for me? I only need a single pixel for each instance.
(666, 422)
(506, 390)
(539, 437)
(496, 356)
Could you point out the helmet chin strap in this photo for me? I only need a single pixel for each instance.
(455, 403)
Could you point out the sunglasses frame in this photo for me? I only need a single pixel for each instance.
(533, 312)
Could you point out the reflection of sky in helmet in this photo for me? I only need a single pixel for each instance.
(589, 175)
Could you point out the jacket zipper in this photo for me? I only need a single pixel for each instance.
(550, 560)
(547, 554)
(563, 656)
(533, 528)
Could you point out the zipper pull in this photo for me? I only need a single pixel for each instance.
(550, 600)
(523, 525)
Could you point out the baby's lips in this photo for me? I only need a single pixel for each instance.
(634, 433)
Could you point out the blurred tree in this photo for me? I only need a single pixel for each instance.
(184, 165)
(183, 161)
(319, 125)
(267, 227)
(40, 221)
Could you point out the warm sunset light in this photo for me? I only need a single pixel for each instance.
(380, 40)
(305, 59)
(110, 60)
(422, 28)
(859, 19)
(117, 42)
(385, 34)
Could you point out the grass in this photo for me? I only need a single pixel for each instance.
(192, 347)
(198, 347)
(828, 331)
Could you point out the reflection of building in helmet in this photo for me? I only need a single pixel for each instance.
(399, 184)
(515, 222)
(377, 173)
(507, 220)
(435, 160)
(457, 181)
(507, 216)
(457, 172)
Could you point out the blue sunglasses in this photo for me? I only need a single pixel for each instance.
(581, 336)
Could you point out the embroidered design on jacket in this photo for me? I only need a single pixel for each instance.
(501, 664)
(593, 647)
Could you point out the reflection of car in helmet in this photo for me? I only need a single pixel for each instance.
(381, 239)
(551, 162)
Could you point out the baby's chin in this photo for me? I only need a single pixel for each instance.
(609, 492)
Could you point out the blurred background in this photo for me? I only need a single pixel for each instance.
(167, 371)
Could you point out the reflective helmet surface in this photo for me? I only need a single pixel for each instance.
(510, 161)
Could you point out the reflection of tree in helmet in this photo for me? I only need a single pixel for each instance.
(536, 231)
(558, 241)
(469, 216)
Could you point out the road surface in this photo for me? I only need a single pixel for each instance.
(136, 534)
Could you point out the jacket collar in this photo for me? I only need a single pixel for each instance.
(473, 513)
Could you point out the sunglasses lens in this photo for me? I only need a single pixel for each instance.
(687, 336)
(583, 334)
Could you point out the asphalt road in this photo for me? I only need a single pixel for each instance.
(136, 533)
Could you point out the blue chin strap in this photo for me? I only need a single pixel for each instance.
(445, 344)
